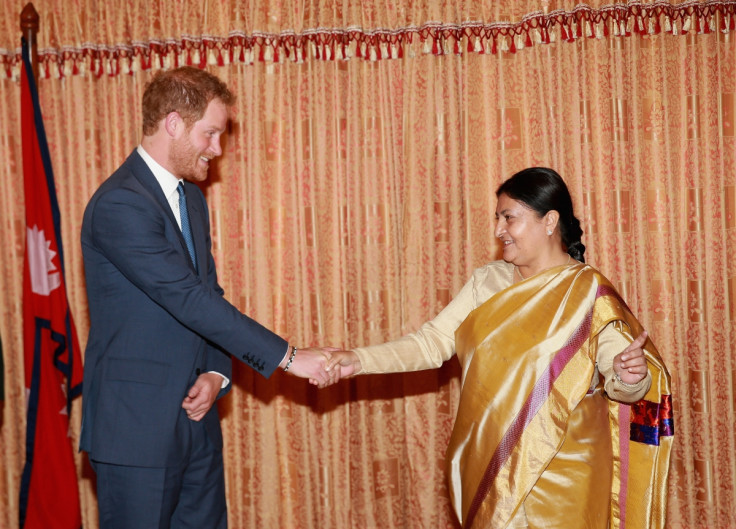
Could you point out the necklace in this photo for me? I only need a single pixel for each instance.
(516, 268)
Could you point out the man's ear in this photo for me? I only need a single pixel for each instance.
(173, 123)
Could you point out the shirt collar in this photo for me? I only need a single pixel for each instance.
(165, 179)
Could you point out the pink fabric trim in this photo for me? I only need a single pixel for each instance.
(624, 418)
(534, 402)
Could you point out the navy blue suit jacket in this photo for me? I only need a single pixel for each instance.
(155, 322)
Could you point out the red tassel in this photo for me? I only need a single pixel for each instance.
(357, 50)
(605, 28)
(563, 32)
(697, 24)
(732, 24)
(579, 29)
(276, 53)
(456, 48)
(241, 57)
(400, 45)
(494, 50)
(435, 50)
(528, 39)
(469, 48)
(512, 47)
(706, 26)
(262, 53)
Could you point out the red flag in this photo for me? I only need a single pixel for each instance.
(49, 496)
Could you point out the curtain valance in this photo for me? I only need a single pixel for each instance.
(325, 43)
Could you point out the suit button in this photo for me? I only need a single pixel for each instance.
(198, 371)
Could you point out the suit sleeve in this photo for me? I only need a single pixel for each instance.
(139, 241)
(216, 359)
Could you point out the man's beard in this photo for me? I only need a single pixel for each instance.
(184, 161)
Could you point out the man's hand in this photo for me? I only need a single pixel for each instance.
(201, 396)
(310, 363)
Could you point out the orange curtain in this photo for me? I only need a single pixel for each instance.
(356, 196)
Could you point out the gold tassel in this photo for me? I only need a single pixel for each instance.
(15, 72)
(427, 48)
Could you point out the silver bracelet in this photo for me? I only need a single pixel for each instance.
(291, 358)
(618, 379)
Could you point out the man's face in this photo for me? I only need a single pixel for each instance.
(191, 151)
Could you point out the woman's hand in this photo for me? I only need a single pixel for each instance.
(630, 365)
(347, 361)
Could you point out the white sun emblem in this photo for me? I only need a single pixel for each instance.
(44, 278)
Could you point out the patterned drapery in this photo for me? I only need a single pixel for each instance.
(355, 197)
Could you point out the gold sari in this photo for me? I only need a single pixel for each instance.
(532, 443)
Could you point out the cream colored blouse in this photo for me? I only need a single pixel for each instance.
(434, 342)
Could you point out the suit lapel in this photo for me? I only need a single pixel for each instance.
(144, 175)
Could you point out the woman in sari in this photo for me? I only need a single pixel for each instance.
(564, 419)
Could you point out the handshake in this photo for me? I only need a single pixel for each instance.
(323, 366)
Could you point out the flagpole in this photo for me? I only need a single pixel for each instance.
(29, 24)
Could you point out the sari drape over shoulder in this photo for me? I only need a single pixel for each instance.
(529, 357)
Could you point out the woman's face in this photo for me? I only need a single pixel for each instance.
(522, 232)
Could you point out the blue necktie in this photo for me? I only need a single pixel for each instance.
(186, 229)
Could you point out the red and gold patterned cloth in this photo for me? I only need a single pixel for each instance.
(532, 445)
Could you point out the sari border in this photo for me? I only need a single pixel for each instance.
(624, 417)
(534, 402)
